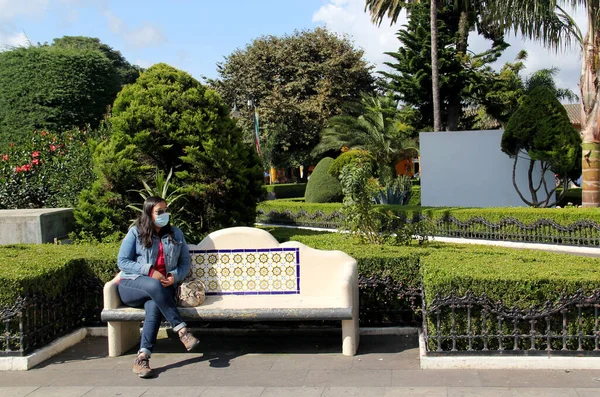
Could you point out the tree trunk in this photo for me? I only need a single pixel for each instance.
(455, 108)
(590, 112)
(435, 78)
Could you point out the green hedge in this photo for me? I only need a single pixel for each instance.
(285, 190)
(47, 269)
(573, 196)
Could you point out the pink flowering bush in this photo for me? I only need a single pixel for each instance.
(49, 170)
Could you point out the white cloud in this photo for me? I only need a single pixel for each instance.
(13, 40)
(349, 17)
(10, 9)
(146, 35)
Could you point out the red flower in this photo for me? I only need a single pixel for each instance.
(35, 161)
(53, 147)
(35, 154)
(44, 133)
(5, 157)
(17, 169)
(26, 167)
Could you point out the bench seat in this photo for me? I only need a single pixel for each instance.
(249, 276)
(265, 308)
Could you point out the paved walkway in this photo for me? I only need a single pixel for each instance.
(281, 364)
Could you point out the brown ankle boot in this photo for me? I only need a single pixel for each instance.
(188, 340)
(141, 366)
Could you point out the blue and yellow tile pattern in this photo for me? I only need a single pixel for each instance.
(267, 271)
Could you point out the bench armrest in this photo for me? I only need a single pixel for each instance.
(349, 282)
(112, 300)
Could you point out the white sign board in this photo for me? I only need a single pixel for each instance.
(468, 169)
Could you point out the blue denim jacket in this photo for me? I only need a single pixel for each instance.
(135, 260)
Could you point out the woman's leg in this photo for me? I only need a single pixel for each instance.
(140, 292)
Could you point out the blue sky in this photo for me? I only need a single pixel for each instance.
(193, 35)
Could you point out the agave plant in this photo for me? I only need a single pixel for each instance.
(161, 189)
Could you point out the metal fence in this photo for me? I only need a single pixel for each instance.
(581, 233)
(34, 320)
(474, 325)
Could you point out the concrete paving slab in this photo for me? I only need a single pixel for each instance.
(348, 378)
(546, 392)
(225, 391)
(16, 391)
(272, 378)
(416, 392)
(292, 392)
(436, 377)
(52, 391)
(479, 392)
(311, 361)
(588, 392)
(117, 391)
(538, 378)
(354, 391)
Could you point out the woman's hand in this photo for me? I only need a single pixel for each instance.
(167, 281)
(158, 276)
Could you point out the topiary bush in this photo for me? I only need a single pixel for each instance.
(322, 187)
(169, 120)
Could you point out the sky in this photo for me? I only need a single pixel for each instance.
(194, 35)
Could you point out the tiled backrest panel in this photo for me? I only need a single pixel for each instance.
(247, 271)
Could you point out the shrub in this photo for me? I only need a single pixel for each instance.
(322, 187)
(47, 269)
(54, 88)
(168, 120)
(49, 170)
(541, 128)
(351, 156)
(285, 190)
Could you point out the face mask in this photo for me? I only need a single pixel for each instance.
(162, 219)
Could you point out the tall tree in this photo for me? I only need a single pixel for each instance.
(463, 75)
(380, 8)
(469, 16)
(548, 22)
(59, 86)
(296, 82)
(541, 128)
(127, 72)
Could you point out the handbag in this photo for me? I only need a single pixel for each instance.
(191, 293)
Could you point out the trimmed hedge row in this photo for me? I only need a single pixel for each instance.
(47, 269)
(285, 190)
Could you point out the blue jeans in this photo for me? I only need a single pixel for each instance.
(158, 302)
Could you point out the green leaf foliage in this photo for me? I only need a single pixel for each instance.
(322, 187)
(516, 277)
(55, 87)
(285, 190)
(541, 128)
(297, 82)
(463, 76)
(47, 269)
(168, 120)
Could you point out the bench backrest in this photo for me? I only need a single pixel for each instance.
(249, 261)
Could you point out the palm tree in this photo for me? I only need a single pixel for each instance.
(548, 22)
(378, 10)
(374, 125)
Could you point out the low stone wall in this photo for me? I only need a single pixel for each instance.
(35, 226)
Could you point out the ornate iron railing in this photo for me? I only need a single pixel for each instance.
(34, 320)
(474, 325)
(582, 233)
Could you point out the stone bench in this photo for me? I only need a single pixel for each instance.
(250, 276)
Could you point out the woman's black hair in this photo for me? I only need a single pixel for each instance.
(145, 224)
